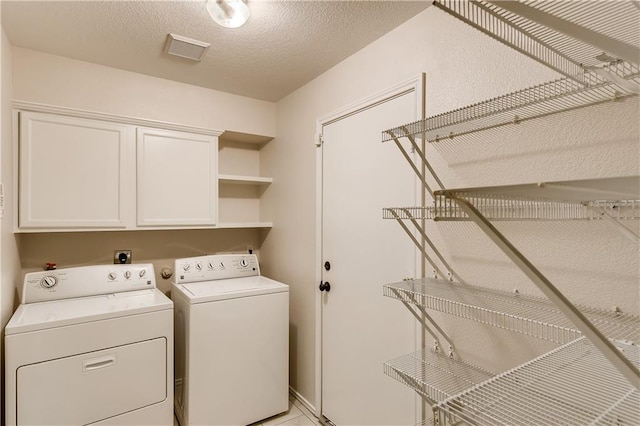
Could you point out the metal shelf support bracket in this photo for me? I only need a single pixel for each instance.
(417, 243)
(426, 320)
(410, 161)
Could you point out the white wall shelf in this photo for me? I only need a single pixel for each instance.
(434, 375)
(240, 225)
(573, 384)
(248, 138)
(519, 210)
(530, 315)
(244, 180)
(617, 198)
(617, 188)
(535, 102)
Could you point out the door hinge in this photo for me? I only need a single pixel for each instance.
(319, 139)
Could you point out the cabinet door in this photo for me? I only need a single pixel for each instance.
(71, 172)
(177, 178)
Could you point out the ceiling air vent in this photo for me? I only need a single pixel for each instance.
(185, 47)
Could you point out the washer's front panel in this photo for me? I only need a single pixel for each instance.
(237, 354)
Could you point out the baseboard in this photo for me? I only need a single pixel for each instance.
(294, 393)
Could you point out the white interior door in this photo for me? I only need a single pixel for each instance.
(360, 328)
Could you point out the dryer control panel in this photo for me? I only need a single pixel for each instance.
(216, 267)
(85, 281)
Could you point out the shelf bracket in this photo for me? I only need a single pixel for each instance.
(417, 243)
(426, 320)
(410, 161)
(628, 85)
(615, 357)
(435, 250)
(423, 157)
(615, 224)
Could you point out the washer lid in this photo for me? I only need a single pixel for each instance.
(233, 288)
(59, 313)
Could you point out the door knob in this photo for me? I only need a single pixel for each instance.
(325, 286)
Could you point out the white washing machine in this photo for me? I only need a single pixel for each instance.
(90, 345)
(232, 341)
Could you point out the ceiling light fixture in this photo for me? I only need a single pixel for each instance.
(228, 13)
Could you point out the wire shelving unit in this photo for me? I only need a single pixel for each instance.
(571, 385)
(529, 315)
(434, 375)
(594, 378)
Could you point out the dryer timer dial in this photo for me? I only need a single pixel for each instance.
(48, 281)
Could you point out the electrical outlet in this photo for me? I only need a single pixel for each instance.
(122, 256)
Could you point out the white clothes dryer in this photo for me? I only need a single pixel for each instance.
(90, 345)
(232, 341)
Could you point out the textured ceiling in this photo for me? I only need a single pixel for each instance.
(284, 45)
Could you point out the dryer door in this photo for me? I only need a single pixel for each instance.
(90, 387)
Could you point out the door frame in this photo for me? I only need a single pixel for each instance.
(414, 85)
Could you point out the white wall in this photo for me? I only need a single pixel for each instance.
(9, 262)
(462, 67)
(55, 80)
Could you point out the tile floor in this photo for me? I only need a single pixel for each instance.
(297, 415)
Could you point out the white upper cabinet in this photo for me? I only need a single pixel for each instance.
(72, 172)
(95, 171)
(177, 178)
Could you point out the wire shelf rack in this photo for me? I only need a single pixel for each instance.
(589, 199)
(532, 28)
(434, 375)
(509, 209)
(529, 315)
(613, 188)
(571, 385)
(538, 101)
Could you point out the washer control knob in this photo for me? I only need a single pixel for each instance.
(127, 274)
(244, 263)
(49, 281)
(142, 273)
(112, 276)
(210, 266)
(186, 267)
(199, 266)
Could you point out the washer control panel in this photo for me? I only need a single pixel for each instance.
(216, 267)
(86, 281)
